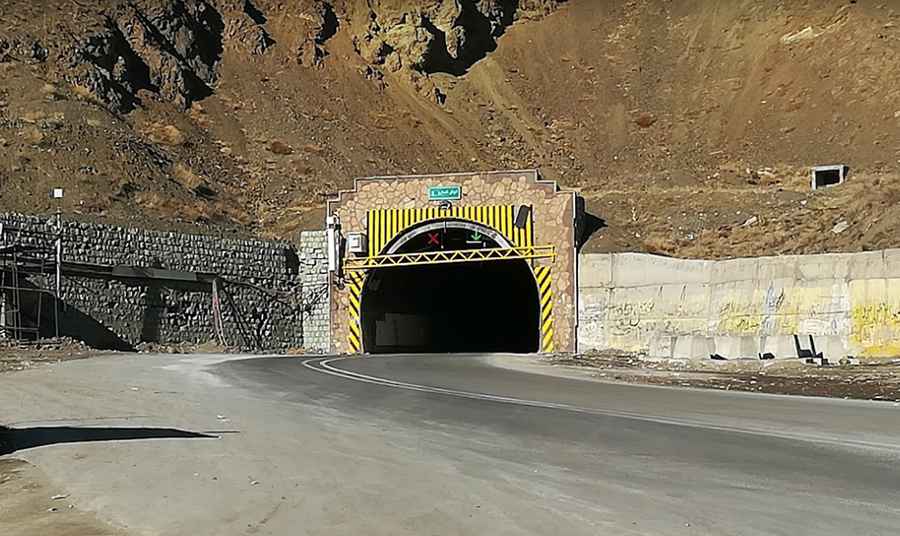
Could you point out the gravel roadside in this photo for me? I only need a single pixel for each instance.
(873, 379)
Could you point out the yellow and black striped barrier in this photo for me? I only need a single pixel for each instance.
(383, 225)
(386, 224)
(545, 288)
(355, 282)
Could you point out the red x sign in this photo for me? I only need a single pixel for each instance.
(434, 238)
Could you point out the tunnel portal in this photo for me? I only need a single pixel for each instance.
(490, 306)
(480, 261)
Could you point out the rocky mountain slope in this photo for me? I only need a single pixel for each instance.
(689, 126)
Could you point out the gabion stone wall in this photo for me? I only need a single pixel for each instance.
(266, 288)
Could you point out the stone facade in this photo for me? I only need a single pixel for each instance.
(267, 288)
(314, 283)
(553, 213)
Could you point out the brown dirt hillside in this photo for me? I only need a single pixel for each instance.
(688, 125)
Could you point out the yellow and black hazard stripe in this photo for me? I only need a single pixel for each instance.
(355, 282)
(385, 224)
(545, 288)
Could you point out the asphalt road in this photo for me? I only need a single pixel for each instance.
(445, 445)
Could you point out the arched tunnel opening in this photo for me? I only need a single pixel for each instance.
(487, 306)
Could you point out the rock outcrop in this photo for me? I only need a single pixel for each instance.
(172, 48)
(169, 48)
(113, 50)
(442, 36)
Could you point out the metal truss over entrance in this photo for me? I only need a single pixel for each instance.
(449, 257)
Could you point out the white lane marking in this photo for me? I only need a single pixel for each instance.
(325, 367)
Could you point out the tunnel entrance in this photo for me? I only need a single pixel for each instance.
(489, 306)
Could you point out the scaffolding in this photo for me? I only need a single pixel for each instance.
(30, 263)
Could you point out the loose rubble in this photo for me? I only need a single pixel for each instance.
(17, 355)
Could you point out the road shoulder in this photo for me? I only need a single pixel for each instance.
(873, 380)
(30, 505)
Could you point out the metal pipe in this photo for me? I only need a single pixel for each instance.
(58, 271)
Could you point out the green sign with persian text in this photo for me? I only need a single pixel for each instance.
(444, 193)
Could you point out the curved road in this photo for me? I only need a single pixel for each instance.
(454, 445)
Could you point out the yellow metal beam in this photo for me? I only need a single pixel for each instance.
(448, 257)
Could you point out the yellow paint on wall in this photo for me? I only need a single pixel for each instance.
(798, 308)
(739, 319)
(875, 317)
(876, 329)
(783, 311)
(740, 311)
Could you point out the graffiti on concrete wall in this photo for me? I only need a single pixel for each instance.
(634, 318)
(772, 306)
(785, 311)
(627, 322)
(625, 318)
(737, 318)
(876, 328)
(852, 309)
(875, 317)
(815, 310)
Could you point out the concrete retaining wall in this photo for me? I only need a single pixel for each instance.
(842, 304)
(117, 314)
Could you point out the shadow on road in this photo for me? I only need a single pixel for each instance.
(16, 439)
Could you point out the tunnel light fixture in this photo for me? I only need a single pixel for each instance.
(357, 243)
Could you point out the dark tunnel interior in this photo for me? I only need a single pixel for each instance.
(467, 307)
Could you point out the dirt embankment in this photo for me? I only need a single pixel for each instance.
(868, 380)
(15, 356)
(689, 126)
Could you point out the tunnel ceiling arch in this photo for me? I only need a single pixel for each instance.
(458, 275)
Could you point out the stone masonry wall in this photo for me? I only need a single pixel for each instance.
(265, 290)
(314, 282)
